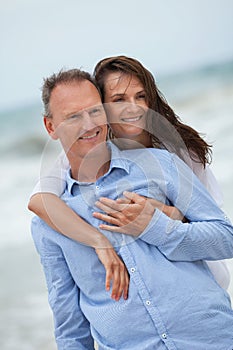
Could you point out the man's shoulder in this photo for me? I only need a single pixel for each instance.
(36, 220)
(38, 225)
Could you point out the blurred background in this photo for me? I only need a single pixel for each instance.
(188, 46)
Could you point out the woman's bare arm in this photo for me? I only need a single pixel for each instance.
(63, 219)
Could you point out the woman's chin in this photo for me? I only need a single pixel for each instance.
(131, 132)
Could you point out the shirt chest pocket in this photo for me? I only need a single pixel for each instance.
(144, 187)
(152, 191)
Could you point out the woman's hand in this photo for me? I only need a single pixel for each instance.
(116, 273)
(170, 211)
(129, 216)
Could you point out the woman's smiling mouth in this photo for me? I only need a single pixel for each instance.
(132, 120)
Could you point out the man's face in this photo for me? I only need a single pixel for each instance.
(78, 118)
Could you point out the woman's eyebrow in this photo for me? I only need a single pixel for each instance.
(123, 93)
(118, 94)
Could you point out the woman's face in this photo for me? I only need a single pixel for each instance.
(126, 107)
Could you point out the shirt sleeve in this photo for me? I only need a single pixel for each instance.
(53, 180)
(72, 329)
(208, 235)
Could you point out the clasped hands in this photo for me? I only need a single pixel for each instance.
(129, 215)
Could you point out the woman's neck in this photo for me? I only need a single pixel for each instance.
(141, 141)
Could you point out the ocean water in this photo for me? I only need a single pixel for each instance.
(202, 98)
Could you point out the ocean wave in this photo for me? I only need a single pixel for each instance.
(23, 147)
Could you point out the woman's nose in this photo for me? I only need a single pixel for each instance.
(132, 107)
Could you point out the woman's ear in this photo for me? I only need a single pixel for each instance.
(49, 125)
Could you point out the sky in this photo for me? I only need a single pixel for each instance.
(40, 37)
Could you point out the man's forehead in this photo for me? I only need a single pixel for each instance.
(79, 95)
(77, 87)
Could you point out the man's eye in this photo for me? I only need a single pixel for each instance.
(74, 117)
(96, 111)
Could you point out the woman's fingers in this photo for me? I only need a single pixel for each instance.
(105, 208)
(107, 218)
(126, 285)
(120, 282)
(118, 229)
(108, 279)
(116, 273)
(129, 218)
(134, 197)
(110, 206)
(123, 200)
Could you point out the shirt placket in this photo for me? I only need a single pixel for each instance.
(146, 298)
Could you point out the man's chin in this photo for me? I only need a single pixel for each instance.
(86, 149)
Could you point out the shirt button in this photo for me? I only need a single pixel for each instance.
(97, 187)
(148, 302)
(164, 336)
(132, 269)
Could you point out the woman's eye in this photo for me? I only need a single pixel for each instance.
(142, 97)
(118, 99)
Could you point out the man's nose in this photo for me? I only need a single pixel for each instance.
(88, 122)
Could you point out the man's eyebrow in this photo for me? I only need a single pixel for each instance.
(67, 115)
(72, 113)
(99, 105)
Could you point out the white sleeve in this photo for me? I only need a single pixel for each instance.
(53, 180)
(220, 272)
(208, 179)
(218, 268)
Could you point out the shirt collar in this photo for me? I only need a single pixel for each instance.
(117, 161)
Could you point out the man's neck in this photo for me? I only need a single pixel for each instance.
(91, 167)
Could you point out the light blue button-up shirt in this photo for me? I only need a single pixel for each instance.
(174, 302)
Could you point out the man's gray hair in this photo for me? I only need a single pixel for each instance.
(62, 77)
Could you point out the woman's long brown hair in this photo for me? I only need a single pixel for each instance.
(162, 121)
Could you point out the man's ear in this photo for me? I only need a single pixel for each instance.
(49, 125)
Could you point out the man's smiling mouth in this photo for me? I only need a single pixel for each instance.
(88, 137)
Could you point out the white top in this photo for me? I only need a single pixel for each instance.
(54, 182)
